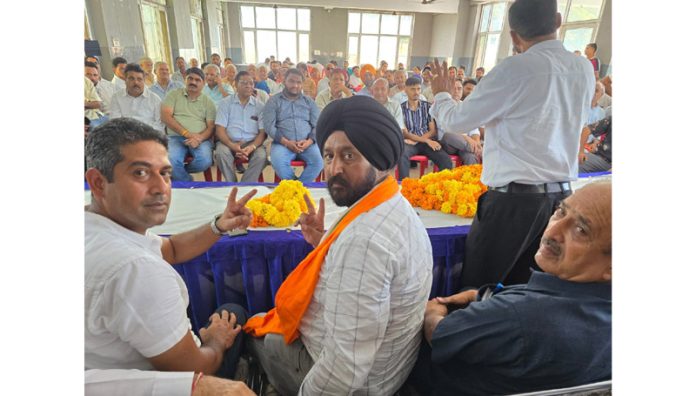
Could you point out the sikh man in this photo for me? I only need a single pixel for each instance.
(337, 90)
(136, 101)
(189, 117)
(290, 119)
(554, 332)
(163, 84)
(240, 133)
(135, 302)
(214, 87)
(532, 142)
(346, 319)
(367, 75)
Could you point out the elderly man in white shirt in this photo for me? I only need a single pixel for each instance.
(380, 92)
(357, 329)
(534, 106)
(136, 101)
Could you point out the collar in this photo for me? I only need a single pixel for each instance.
(282, 96)
(252, 99)
(541, 280)
(546, 44)
(186, 94)
(148, 241)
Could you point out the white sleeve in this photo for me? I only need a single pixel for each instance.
(145, 307)
(356, 315)
(117, 382)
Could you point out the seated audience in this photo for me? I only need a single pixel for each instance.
(105, 89)
(139, 382)
(119, 80)
(240, 133)
(136, 101)
(461, 73)
(164, 84)
(337, 90)
(598, 159)
(147, 65)
(420, 129)
(380, 92)
(93, 104)
(427, 80)
(354, 82)
(290, 119)
(467, 146)
(324, 82)
(214, 87)
(135, 302)
(452, 72)
(605, 101)
(180, 74)
(264, 83)
(480, 72)
(275, 67)
(189, 117)
(194, 63)
(348, 319)
(383, 68)
(389, 75)
(309, 87)
(399, 83)
(230, 73)
(217, 61)
(367, 76)
(553, 332)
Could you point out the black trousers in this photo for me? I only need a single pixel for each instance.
(505, 236)
(440, 157)
(231, 358)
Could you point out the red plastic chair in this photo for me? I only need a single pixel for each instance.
(207, 174)
(297, 163)
(422, 161)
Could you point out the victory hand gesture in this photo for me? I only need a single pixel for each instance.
(312, 223)
(236, 215)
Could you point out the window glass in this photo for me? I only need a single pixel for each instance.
(248, 17)
(353, 22)
(249, 47)
(368, 49)
(370, 23)
(390, 24)
(577, 39)
(387, 50)
(497, 17)
(584, 10)
(303, 54)
(353, 50)
(406, 25)
(403, 51)
(266, 43)
(265, 18)
(287, 19)
(485, 14)
(490, 57)
(303, 19)
(287, 45)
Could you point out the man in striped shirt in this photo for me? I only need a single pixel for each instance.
(420, 133)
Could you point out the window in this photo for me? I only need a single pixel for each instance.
(279, 31)
(490, 28)
(373, 37)
(154, 19)
(580, 22)
(197, 30)
(222, 35)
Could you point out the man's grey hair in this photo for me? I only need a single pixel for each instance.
(386, 82)
(159, 63)
(103, 147)
(212, 66)
(400, 72)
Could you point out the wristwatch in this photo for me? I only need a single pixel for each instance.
(213, 226)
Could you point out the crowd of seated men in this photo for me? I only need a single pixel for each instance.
(270, 117)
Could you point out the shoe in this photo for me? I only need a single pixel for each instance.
(240, 168)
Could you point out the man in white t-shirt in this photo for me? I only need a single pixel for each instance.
(135, 302)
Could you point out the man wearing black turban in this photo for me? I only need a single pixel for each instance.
(361, 329)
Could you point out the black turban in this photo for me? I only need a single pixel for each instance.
(368, 126)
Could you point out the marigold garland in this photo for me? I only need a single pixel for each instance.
(280, 208)
(449, 191)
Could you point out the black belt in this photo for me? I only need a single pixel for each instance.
(533, 188)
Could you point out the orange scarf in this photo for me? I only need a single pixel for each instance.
(296, 292)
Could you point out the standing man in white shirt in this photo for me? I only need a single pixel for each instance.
(119, 80)
(135, 302)
(135, 101)
(534, 106)
(239, 130)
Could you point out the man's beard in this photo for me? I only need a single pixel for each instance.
(350, 195)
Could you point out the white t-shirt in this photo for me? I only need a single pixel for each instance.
(135, 302)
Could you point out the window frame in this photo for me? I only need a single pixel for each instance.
(590, 23)
(398, 36)
(255, 29)
(161, 11)
(482, 36)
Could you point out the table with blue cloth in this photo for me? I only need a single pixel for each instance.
(249, 269)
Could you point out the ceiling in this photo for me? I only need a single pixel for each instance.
(436, 6)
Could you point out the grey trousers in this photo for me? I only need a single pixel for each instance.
(224, 159)
(285, 365)
(455, 144)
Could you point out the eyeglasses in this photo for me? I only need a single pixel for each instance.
(245, 82)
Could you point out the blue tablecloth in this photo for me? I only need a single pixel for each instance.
(249, 269)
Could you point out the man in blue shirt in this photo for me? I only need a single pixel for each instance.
(420, 134)
(239, 129)
(553, 332)
(290, 119)
(163, 84)
(214, 88)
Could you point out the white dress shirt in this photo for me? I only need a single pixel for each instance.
(135, 302)
(145, 108)
(105, 89)
(137, 383)
(118, 83)
(395, 109)
(534, 106)
(402, 97)
(363, 327)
